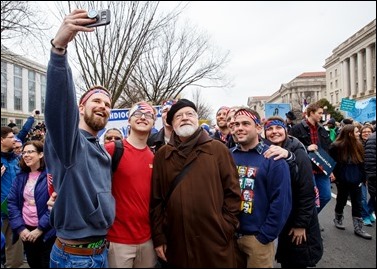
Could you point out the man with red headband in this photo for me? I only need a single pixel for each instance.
(222, 131)
(271, 204)
(84, 208)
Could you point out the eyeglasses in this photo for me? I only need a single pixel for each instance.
(28, 152)
(113, 138)
(138, 114)
(189, 114)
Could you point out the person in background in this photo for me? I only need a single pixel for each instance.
(29, 216)
(367, 205)
(222, 133)
(11, 124)
(112, 134)
(162, 137)
(271, 191)
(300, 242)
(314, 136)
(290, 118)
(130, 236)
(229, 123)
(14, 251)
(84, 209)
(17, 147)
(370, 167)
(206, 128)
(331, 127)
(195, 227)
(348, 152)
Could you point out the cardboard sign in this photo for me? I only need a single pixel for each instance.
(323, 160)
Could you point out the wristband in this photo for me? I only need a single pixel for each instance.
(58, 48)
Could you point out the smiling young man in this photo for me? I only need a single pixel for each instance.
(130, 237)
(84, 208)
(271, 191)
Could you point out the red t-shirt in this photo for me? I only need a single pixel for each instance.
(131, 188)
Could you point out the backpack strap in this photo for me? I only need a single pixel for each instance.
(118, 152)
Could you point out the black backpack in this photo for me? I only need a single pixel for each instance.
(118, 152)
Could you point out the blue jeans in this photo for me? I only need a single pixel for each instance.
(368, 207)
(61, 259)
(324, 187)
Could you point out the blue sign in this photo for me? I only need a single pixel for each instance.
(364, 110)
(322, 160)
(347, 104)
(276, 110)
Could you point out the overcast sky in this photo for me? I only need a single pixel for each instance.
(271, 43)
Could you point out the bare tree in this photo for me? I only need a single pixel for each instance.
(139, 56)
(176, 59)
(22, 23)
(204, 110)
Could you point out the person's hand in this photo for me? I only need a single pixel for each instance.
(278, 152)
(312, 147)
(72, 24)
(3, 169)
(24, 234)
(332, 177)
(298, 235)
(51, 201)
(160, 251)
(33, 235)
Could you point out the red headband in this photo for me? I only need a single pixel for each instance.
(91, 92)
(248, 114)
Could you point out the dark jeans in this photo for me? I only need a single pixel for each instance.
(38, 253)
(346, 189)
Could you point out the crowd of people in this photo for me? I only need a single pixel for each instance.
(243, 195)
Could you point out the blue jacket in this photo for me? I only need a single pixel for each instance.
(79, 165)
(25, 129)
(10, 161)
(16, 201)
(272, 199)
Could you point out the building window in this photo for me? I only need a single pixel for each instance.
(17, 87)
(330, 75)
(336, 72)
(4, 82)
(331, 86)
(43, 92)
(336, 84)
(4, 122)
(336, 98)
(31, 88)
(331, 99)
(19, 123)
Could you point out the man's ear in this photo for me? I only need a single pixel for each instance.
(259, 128)
(81, 109)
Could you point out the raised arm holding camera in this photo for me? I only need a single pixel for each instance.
(84, 208)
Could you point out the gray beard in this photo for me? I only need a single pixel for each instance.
(185, 131)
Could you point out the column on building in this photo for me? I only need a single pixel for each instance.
(369, 70)
(360, 76)
(346, 78)
(353, 76)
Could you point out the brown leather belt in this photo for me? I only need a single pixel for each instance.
(80, 251)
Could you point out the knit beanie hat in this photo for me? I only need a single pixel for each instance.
(177, 106)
